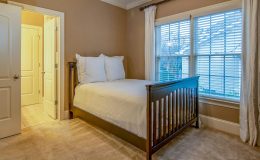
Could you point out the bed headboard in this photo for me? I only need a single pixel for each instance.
(73, 82)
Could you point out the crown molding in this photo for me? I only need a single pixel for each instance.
(136, 3)
(124, 4)
(118, 3)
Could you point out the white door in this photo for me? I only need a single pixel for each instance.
(50, 95)
(31, 39)
(10, 65)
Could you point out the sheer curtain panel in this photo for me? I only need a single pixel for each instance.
(150, 43)
(250, 90)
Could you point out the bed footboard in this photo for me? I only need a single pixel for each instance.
(171, 107)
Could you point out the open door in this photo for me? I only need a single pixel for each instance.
(10, 65)
(50, 80)
(31, 42)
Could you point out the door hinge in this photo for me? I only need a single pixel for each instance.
(56, 102)
(57, 28)
(39, 92)
(56, 65)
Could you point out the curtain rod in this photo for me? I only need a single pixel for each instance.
(153, 4)
(3, 1)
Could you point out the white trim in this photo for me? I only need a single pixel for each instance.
(136, 3)
(229, 5)
(124, 4)
(219, 124)
(118, 3)
(173, 18)
(61, 73)
(219, 102)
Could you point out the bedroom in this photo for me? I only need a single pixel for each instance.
(93, 27)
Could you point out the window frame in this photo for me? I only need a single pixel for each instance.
(192, 14)
(183, 55)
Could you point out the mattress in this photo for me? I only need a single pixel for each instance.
(121, 102)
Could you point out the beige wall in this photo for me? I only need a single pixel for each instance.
(91, 27)
(220, 112)
(135, 47)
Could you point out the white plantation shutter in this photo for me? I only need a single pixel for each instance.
(172, 51)
(216, 54)
(217, 43)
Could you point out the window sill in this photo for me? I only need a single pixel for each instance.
(219, 102)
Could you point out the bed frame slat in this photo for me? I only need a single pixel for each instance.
(169, 114)
(177, 110)
(185, 107)
(160, 119)
(173, 111)
(164, 116)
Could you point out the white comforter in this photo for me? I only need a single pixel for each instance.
(121, 102)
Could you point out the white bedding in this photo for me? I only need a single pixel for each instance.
(121, 102)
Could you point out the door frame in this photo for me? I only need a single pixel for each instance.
(61, 43)
(40, 29)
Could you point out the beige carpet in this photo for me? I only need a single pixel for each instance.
(77, 140)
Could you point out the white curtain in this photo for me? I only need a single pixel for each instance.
(150, 43)
(250, 91)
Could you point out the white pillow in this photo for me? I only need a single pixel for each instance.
(80, 67)
(114, 67)
(91, 69)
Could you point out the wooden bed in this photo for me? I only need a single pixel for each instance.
(171, 107)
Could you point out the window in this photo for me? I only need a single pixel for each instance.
(215, 55)
(218, 51)
(172, 51)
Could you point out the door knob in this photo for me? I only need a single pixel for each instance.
(16, 77)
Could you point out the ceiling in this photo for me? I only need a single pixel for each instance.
(126, 4)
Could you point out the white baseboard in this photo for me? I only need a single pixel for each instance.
(219, 124)
(66, 115)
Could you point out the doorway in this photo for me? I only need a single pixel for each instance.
(60, 46)
(11, 68)
(39, 68)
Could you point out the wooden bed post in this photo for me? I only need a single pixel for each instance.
(72, 81)
(148, 124)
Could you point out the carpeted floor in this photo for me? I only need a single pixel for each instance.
(77, 140)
